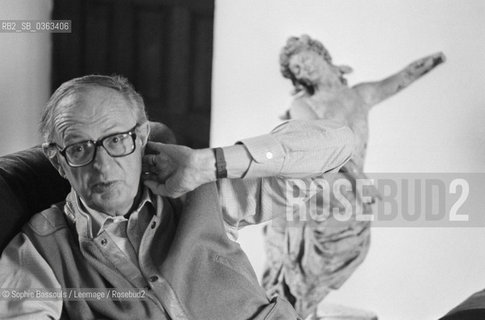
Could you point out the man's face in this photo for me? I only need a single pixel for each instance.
(107, 184)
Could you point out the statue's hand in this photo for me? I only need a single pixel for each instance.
(426, 64)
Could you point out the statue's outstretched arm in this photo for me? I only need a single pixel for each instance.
(375, 92)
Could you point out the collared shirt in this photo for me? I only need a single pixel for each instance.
(295, 149)
(126, 233)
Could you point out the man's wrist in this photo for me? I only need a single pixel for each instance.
(237, 161)
(221, 169)
(205, 164)
(236, 157)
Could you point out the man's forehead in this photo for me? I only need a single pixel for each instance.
(94, 92)
(89, 97)
(92, 107)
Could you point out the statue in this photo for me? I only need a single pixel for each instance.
(307, 260)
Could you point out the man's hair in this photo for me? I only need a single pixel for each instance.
(296, 45)
(76, 85)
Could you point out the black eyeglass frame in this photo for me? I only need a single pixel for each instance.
(97, 143)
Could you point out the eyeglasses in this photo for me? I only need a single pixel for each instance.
(82, 153)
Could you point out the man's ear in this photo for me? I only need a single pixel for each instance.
(53, 157)
(144, 132)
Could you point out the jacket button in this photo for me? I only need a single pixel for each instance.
(154, 224)
(104, 242)
(153, 278)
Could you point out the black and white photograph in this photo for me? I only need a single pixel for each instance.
(242, 159)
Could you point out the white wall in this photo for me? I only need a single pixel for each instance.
(24, 75)
(436, 125)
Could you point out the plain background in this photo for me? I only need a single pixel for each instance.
(436, 125)
(24, 75)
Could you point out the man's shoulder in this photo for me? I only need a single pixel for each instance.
(48, 221)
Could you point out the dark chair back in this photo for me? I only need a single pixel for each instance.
(28, 184)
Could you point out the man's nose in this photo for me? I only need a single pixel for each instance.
(102, 160)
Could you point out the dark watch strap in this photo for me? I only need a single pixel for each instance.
(221, 171)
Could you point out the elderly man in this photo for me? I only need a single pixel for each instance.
(179, 260)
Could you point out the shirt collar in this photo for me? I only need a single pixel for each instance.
(89, 221)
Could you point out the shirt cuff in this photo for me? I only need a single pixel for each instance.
(267, 156)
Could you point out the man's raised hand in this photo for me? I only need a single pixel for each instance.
(173, 170)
